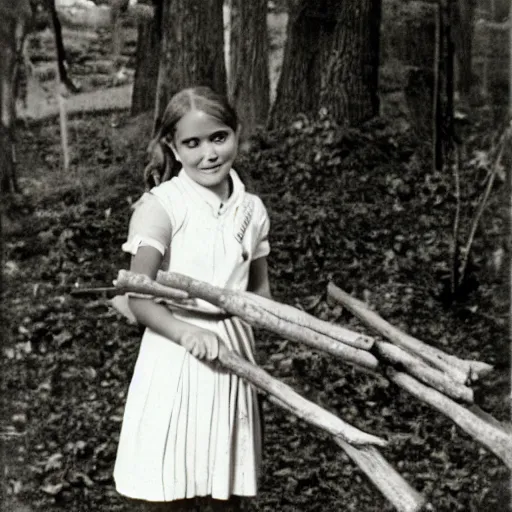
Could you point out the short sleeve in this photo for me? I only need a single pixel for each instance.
(262, 244)
(150, 225)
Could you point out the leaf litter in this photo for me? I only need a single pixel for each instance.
(360, 207)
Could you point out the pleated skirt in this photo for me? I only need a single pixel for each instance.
(189, 428)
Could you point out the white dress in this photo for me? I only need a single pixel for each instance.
(188, 429)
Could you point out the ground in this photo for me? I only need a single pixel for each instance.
(361, 208)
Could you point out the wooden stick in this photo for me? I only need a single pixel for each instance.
(385, 477)
(455, 246)
(459, 370)
(303, 319)
(63, 120)
(140, 283)
(423, 372)
(481, 206)
(306, 410)
(295, 403)
(392, 485)
(497, 439)
(259, 317)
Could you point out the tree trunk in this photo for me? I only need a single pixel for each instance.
(299, 82)
(463, 19)
(249, 87)
(192, 49)
(329, 62)
(13, 30)
(419, 54)
(62, 62)
(350, 80)
(147, 60)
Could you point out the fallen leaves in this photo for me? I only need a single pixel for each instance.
(365, 212)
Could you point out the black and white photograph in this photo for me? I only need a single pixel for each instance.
(256, 255)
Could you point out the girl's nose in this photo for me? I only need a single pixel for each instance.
(210, 153)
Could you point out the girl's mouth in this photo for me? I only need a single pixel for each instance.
(210, 169)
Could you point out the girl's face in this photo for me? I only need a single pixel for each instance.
(206, 147)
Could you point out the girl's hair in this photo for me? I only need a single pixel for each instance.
(162, 161)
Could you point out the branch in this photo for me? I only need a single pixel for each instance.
(491, 434)
(302, 319)
(459, 370)
(481, 206)
(427, 374)
(142, 284)
(494, 25)
(295, 403)
(367, 458)
(456, 225)
(371, 462)
(385, 477)
(235, 303)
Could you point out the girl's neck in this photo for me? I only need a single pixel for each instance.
(223, 190)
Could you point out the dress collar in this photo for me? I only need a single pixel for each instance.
(210, 197)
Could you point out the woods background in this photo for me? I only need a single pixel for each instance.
(377, 134)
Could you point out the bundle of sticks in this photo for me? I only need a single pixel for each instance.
(441, 380)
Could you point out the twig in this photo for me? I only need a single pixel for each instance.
(481, 206)
(63, 126)
(454, 282)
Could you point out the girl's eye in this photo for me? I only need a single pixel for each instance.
(191, 143)
(219, 137)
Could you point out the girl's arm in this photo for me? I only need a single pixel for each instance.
(258, 278)
(200, 342)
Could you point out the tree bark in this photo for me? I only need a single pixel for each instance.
(330, 61)
(350, 80)
(463, 20)
(13, 29)
(192, 49)
(147, 61)
(249, 85)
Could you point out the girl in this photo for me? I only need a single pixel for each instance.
(191, 433)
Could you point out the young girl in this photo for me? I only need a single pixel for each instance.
(191, 431)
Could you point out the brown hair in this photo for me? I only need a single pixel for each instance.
(162, 162)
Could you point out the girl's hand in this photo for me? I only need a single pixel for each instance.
(201, 343)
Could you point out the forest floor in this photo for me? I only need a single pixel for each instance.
(362, 208)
